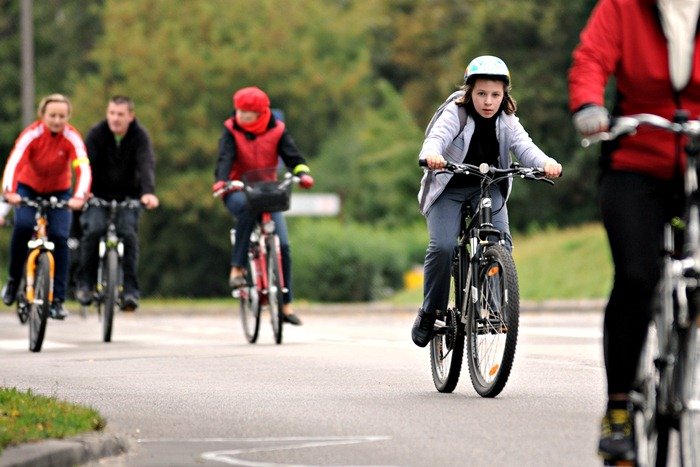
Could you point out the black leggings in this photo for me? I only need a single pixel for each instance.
(634, 209)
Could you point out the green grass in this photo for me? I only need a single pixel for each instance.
(25, 416)
(572, 263)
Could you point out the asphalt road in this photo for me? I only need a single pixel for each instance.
(347, 388)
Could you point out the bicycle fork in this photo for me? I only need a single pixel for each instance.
(31, 274)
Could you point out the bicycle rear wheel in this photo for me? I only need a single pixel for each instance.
(447, 349)
(39, 308)
(250, 302)
(492, 327)
(274, 289)
(111, 292)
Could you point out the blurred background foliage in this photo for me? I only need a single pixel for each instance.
(357, 81)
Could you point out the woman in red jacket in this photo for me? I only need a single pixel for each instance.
(40, 165)
(254, 139)
(651, 48)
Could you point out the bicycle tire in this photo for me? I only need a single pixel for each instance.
(274, 289)
(250, 302)
(492, 327)
(22, 305)
(39, 308)
(447, 350)
(111, 291)
(643, 399)
(689, 422)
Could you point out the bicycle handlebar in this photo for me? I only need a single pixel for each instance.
(237, 185)
(44, 203)
(487, 171)
(628, 125)
(128, 203)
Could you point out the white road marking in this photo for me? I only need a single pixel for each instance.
(232, 456)
(23, 344)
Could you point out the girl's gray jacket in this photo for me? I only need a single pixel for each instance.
(443, 139)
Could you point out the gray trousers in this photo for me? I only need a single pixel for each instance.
(443, 221)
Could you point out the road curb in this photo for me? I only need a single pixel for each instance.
(64, 452)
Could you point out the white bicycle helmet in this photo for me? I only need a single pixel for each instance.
(487, 65)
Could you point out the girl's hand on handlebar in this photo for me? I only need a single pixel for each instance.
(552, 168)
(435, 161)
(12, 198)
(76, 203)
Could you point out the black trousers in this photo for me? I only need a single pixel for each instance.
(94, 224)
(634, 208)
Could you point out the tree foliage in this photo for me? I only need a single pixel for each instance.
(357, 81)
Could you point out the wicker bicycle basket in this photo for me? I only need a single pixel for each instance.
(264, 192)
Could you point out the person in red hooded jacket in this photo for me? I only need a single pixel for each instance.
(40, 165)
(254, 139)
(651, 48)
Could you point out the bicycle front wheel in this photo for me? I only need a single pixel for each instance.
(274, 289)
(643, 398)
(687, 377)
(250, 302)
(492, 327)
(39, 308)
(447, 349)
(111, 291)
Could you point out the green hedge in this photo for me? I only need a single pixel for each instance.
(338, 262)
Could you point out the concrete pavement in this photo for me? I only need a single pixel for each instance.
(91, 447)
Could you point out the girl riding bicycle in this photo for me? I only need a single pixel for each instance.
(254, 139)
(490, 133)
(40, 165)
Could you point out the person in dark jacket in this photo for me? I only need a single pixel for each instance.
(254, 139)
(651, 48)
(124, 167)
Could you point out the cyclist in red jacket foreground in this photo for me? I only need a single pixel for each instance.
(651, 48)
(254, 139)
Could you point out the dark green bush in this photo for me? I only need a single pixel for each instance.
(337, 262)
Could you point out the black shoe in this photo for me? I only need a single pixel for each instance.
(84, 295)
(9, 292)
(291, 318)
(57, 310)
(422, 330)
(616, 436)
(131, 302)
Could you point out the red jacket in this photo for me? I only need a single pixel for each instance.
(253, 154)
(624, 38)
(42, 161)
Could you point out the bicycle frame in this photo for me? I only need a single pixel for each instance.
(40, 243)
(263, 234)
(266, 282)
(662, 393)
(36, 291)
(477, 234)
(110, 274)
(484, 287)
(110, 241)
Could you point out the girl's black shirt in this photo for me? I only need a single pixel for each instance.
(483, 147)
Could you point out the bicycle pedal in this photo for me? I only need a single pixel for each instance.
(440, 327)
